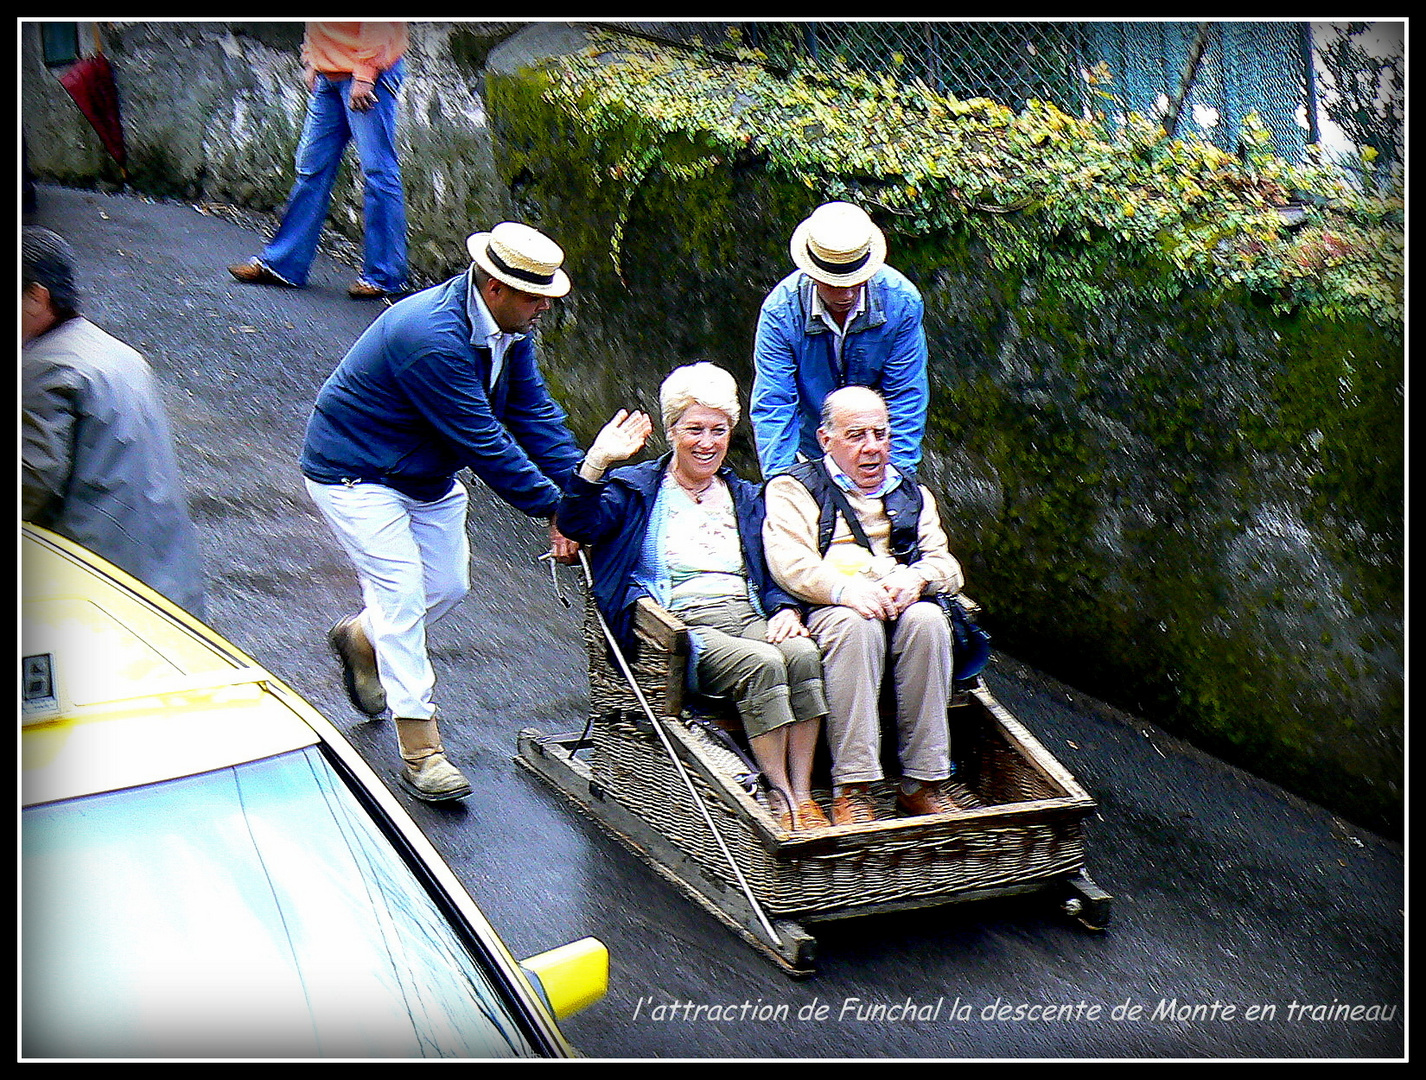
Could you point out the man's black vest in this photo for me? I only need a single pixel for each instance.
(902, 504)
(971, 648)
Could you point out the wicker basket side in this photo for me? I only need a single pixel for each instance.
(913, 861)
(631, 765)
(609, 691)
(993, 767)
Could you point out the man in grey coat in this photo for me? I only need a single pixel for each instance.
(97, 455)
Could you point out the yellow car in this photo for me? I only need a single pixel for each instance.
(209, 869)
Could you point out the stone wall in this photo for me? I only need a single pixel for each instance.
(212, 112)
(1192, 510)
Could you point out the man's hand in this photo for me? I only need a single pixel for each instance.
(869, 599)
(904, 587)
(786, 623)
(363, 95)
(562, 547)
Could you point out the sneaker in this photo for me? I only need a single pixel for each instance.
(434, 779)
(927, 799)
(810, 817)
(255, 273)
(362, 290)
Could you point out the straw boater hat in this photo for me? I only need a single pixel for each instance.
(521, 257)
(839, 245)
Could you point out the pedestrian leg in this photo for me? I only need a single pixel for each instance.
(373, 524)
(325, 133)
(384, 200)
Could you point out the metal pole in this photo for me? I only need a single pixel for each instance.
(678, 764)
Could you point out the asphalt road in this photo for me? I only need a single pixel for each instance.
(1229, 892)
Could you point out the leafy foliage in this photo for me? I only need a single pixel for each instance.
(1043, 186)
(1167, 419)
(1369, 99)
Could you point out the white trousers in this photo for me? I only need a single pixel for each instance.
(413, 561)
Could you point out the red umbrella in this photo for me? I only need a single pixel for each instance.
(90, 82)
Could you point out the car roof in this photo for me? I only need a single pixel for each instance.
(121, 688)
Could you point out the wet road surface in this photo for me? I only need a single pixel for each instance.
(1243, 917)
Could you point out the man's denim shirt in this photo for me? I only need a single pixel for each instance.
(794, 357)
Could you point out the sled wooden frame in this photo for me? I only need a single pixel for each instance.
(1027, 838)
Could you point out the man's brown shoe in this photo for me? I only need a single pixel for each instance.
(360, 290)
(434, 779)
(853, 805)
(359, 673)
(426, 772)
(254, 273)
(927, 799)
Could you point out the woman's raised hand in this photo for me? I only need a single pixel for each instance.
(622, 437)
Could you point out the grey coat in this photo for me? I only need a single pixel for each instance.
(98, 463)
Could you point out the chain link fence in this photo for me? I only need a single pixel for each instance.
(1304, 81)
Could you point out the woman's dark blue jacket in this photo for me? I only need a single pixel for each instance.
(612, 518)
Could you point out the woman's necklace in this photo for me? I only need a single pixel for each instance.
(696, 494)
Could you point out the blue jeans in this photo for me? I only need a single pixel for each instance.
(331, 124)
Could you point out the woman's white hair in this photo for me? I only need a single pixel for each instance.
(698, 384)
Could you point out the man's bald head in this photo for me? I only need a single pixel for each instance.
(856, 433)
(850, 398)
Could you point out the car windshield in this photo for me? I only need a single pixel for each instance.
(252, 911)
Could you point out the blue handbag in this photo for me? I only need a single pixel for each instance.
(970, 644)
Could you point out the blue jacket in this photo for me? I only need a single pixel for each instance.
(613, 517)
(408, 407)
(795, 368)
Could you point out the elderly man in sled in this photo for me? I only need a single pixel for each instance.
(848, 534)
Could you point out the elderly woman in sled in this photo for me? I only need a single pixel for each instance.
(686, 531)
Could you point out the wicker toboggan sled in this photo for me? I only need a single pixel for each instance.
(729, 855)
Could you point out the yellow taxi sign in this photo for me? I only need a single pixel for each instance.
(119, 688)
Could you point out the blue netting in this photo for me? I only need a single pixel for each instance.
(1245, 67)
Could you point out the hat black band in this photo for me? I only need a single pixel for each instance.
(838, 268)
(515, 272)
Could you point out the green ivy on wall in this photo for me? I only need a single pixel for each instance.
(935, 164)
(1166, 421)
